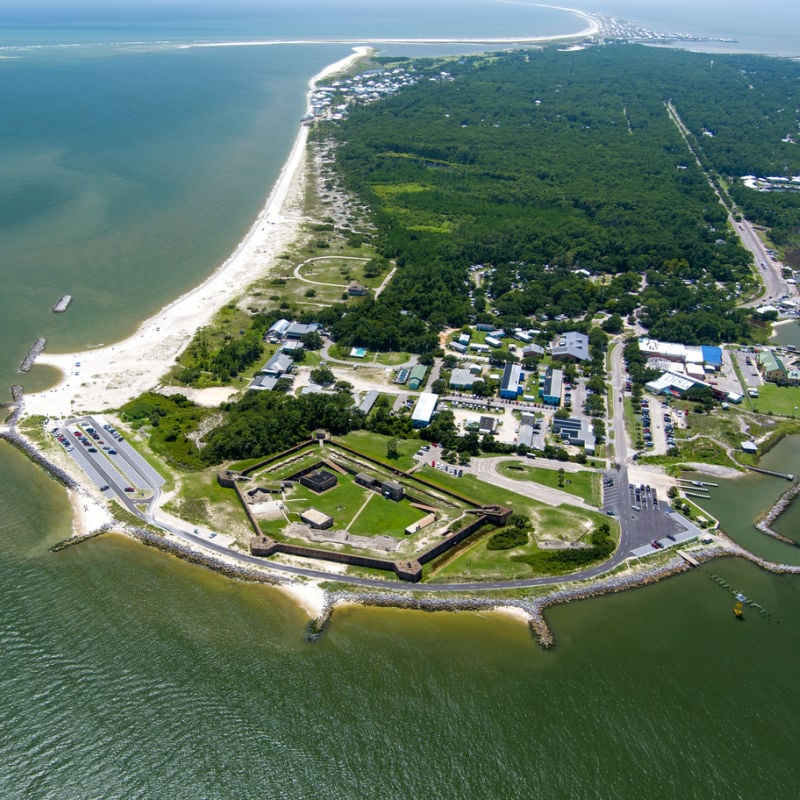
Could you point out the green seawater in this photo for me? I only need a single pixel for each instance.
(126, 176)
(788, 333)
(126, 673)
(737, 502)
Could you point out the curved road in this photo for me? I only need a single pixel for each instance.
(325, 258)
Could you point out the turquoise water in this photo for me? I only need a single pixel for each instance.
(127, 174)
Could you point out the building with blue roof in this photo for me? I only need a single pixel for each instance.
(510, 387)
(712, 355)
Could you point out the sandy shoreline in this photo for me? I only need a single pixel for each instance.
(110, 376)
(593, 27)
(107, 377)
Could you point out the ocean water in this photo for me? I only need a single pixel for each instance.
(129, 169)
(767, 27)
(125, 673)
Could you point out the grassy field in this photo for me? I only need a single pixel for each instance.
(342, 502)
(476, 490)
(374, 445)
(582, 484)
(781, 400)
(702, 449)
(203, 501)
(722, 425)
(391, 359)
(277, 473)
(475, 561)
(384, 516)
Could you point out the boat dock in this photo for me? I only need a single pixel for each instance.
(33, 354)
(62, 304)
(688, 559)
(785, 475)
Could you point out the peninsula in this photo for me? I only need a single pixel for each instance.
(504, 428)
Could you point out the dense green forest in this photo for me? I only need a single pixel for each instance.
(542, 162)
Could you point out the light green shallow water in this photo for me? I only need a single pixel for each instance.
(130, 177)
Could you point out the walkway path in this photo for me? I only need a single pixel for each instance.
(485, 469)
(327, 258)
(385, 282)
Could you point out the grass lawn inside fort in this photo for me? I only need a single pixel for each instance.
(374, 446)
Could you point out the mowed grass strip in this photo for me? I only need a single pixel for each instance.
(781, 400)
(374, 445)
(584, 484)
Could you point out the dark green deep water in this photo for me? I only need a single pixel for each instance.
(125, 673)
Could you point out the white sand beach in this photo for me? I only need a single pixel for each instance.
(107, 377)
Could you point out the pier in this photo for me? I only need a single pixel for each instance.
(688, 559)
(785, 475)
(62, 304)
(33, 354)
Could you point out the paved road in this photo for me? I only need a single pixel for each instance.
(771, 273)
(774, 284)
(617, 392)
(485, 469)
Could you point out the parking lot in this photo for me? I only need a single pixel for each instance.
(108, 459)
(658, 425)
(747, 362)
(645, 517)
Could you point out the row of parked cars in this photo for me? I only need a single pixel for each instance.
(644, 410)
(643, 496)
(89, 443)
(62, 439)
(669, 429)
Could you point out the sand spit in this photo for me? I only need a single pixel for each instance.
(593, 28)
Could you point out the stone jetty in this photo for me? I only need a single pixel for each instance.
(33, 354)
(765, 523)
(62, 304)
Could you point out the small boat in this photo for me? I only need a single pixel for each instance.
(738, 609)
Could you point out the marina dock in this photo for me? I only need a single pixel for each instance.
(785, 475)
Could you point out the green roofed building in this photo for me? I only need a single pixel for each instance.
(417, 376)
(772, 366)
